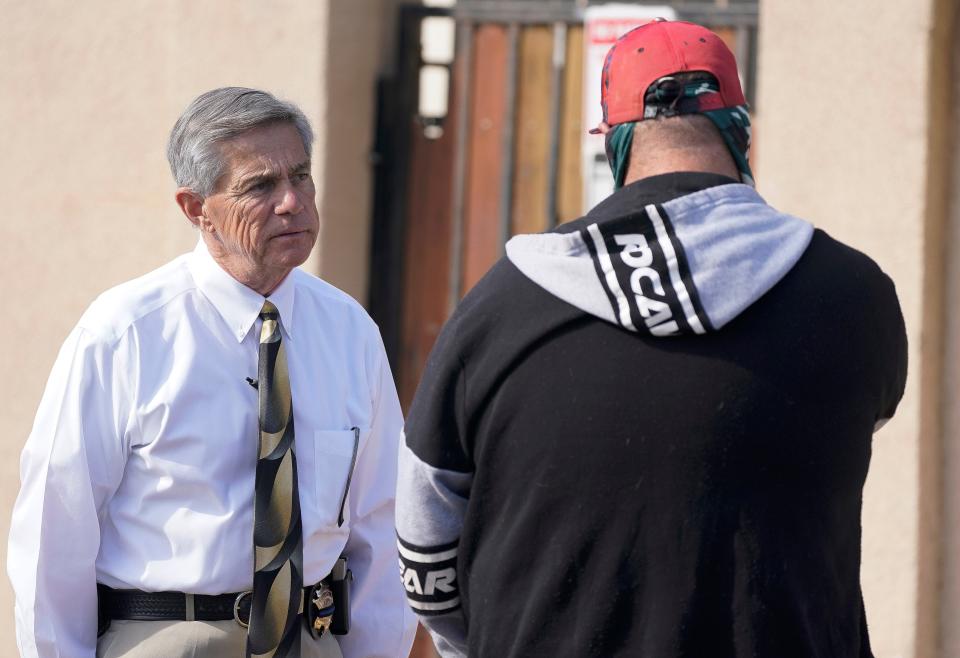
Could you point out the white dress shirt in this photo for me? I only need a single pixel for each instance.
(139, 471)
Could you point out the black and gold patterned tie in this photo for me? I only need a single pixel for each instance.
(274, 630)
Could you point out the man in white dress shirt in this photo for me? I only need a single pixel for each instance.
(138, 478)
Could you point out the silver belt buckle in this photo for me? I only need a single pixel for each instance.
(236, 607)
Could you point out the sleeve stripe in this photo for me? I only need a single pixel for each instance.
(432, 548)
(435, 607)
(425, 558)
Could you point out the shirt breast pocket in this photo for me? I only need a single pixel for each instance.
(335, 457)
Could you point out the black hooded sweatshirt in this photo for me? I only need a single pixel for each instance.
(646, 433)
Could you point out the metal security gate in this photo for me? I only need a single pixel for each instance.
(500, 156)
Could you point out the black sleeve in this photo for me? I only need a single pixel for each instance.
(433, 486)
(894, 354)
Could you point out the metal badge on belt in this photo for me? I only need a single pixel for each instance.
(329, 607)
(320, 614)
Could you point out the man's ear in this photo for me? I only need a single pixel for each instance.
(191, 204)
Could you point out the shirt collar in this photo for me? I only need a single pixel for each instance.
(237, 304)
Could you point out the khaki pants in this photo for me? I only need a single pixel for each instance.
(193, 639)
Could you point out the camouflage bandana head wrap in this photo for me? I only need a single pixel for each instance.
(671, 97)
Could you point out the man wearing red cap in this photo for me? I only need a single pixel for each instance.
(646, 433)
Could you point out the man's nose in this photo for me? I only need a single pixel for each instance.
(289, 202)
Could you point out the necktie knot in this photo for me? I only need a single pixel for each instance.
(270, 331)
(269, 311)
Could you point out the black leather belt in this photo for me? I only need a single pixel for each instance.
(157, 606)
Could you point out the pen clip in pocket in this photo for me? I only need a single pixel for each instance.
(353, 462)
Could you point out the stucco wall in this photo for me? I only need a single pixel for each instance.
(89, 93)
(846, 108)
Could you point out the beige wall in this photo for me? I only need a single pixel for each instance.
(851, 98)
(88, 92)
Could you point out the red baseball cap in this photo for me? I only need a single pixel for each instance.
(658, 49)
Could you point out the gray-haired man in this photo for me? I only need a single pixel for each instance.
(216, 434)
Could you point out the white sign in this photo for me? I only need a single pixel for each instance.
(603, 25)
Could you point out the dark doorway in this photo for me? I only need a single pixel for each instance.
(502, 156)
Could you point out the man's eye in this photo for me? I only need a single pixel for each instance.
(302, 176)
(262, 186)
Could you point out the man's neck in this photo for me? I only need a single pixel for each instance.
(708, 162)
(262, 280)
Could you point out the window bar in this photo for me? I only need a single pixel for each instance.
(506, 181)
(750, 84)
(556, 98)
(465, 56)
